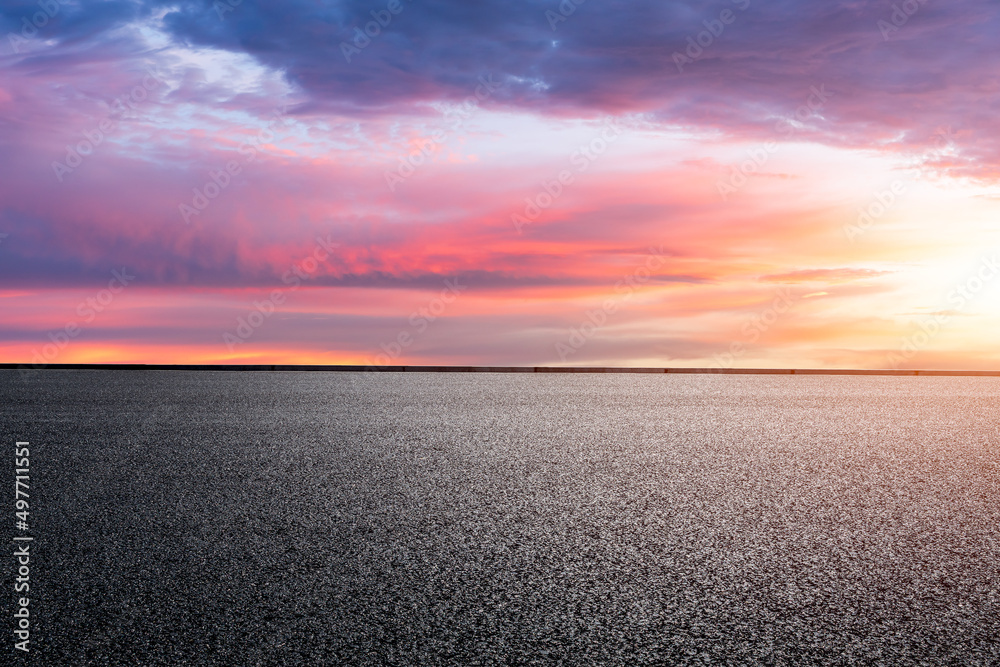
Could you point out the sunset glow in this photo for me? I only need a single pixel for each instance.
(810, 191)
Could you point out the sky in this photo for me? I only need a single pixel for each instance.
(809, 184)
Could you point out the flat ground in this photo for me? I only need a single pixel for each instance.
(188, 518)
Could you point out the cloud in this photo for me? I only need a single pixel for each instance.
(618, 59)
(622, 59)
(830, 276)
(798, 73)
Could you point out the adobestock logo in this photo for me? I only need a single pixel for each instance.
(105, 128)
(959, 297)
(706, 38)
(598, 317)
(738, 177)
(901, 14)
(419, 321)
(754, 327)
(372, 29)
(222, 178)
(222, 8)
(551, 190)
(293, 277)
(884, 200)
(88, 309)
(29, 29)
(457, 117)
(566, 9)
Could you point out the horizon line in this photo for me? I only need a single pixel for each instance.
(30, 368)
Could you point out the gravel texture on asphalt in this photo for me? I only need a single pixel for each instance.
(200, 518)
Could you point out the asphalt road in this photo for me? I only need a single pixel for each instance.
(198, 518)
